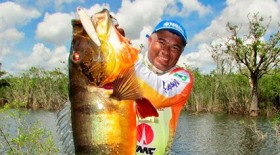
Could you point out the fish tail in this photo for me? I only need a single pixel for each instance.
(65, 129)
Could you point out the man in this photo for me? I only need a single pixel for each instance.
(165, 85)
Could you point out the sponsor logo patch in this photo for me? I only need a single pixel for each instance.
(145, 136)
(182, 77)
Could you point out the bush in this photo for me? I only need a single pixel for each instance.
(37, 88)
(23, 136)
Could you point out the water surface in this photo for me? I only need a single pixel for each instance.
(204, 134)
(223, 134)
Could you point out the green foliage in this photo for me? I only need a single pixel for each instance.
(276, 120)
(258, 54)
(254, 54)
(230, 92)
(270, 89)
(20, 136)
(37, 88)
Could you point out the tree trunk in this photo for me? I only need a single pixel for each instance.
(254, 108)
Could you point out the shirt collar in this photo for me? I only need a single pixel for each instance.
(152, 67)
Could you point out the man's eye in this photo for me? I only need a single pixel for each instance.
(175, 49)
(161, 42)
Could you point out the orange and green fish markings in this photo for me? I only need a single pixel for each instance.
(103, 120)
(104, 127)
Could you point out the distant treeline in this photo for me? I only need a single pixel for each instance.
(38, 88)
(231, 93)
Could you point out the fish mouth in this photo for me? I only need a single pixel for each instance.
(87, 23)
(88, 26)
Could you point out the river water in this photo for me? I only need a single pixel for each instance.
(208, 134)
(223, 134)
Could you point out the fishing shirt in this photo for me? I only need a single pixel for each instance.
(168, 92)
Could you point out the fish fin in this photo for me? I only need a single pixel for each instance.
(144, 108)
(65, 129)
(126, 86)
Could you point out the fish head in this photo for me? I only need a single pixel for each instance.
(99, 52)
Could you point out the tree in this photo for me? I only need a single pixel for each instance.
(254, 54)
(3, 82)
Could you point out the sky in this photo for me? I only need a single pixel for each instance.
(38, 33)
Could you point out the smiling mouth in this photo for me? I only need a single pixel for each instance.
(164, 59)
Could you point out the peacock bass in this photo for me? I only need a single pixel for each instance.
(103, 88)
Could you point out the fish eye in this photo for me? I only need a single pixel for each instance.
(76, 56)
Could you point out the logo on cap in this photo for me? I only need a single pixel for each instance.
(173, 25)
(145, 134)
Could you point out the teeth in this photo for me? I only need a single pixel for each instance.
(87, 24)
(163, 58)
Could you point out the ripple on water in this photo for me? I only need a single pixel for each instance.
(222, 134)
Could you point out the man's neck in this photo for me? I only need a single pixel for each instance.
(152, 67)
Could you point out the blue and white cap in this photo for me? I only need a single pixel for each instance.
(173, 27)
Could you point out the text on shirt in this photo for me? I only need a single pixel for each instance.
(167, 86)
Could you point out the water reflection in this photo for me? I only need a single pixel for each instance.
(222, 134)
(204, 134)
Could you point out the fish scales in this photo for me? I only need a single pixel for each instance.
(102, 124)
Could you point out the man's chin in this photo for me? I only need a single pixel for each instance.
(161, 67)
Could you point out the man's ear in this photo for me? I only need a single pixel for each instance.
(150, 39)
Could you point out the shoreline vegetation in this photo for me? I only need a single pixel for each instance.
(37, 88)
(48, 90)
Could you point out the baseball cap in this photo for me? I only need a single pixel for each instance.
(174, 27)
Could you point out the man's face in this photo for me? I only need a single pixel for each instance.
(164, 49)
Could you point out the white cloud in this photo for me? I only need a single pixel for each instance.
(8, 39)
(192, 6)
(134, 15)
(55, 28)
(201, 59)
(236, 12)
(12, 15)
(12, 35)
(42, 56)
